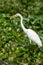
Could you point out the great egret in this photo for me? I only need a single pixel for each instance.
(32, 35)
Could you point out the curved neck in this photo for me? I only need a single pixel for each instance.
(24, 29)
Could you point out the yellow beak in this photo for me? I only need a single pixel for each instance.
(12, 17)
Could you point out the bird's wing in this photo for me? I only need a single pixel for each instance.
(33, 36)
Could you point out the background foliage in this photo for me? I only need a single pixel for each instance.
(15, 47)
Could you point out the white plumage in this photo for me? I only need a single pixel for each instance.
(32, 35)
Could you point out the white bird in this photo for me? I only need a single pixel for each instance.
(32, 35)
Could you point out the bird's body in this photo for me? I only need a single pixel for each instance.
(32, 35)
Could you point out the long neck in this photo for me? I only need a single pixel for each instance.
(24, 29)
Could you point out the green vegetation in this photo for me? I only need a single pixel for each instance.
(15, 48)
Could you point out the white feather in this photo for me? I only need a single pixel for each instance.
(32, 35)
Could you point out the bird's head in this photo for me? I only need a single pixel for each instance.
(16, 15)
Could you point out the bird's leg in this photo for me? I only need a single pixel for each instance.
(30, 41)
